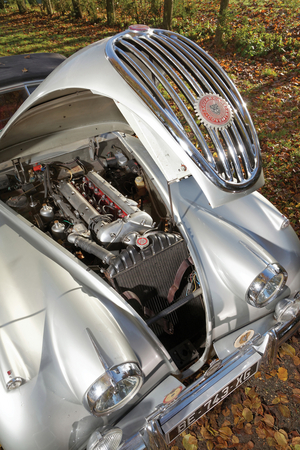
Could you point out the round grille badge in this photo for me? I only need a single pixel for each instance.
(172, 395)
(244, 338)
(213, 111)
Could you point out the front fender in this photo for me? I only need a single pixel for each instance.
(48, 302)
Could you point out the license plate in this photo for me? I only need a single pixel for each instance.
(212, 402)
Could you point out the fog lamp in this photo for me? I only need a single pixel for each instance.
(266, 286)
(287, 309)
(108, 441)
(113, 389)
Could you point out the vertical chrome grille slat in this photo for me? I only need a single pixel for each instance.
(240, 125)
(158, 41)
(174, 95)
(221, 153)
(222, 89)
(233, 155)
(146, 78)
(242, 150)
(194, 66)
(230, 94)
(179, 66)
(218, 81)
(214, 137)
(170, 72)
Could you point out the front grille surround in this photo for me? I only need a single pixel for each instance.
(169, 72)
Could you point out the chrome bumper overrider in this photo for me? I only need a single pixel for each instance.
(168, 421)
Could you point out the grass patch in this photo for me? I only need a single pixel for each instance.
(268, 72)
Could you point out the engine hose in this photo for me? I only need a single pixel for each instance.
(91, 247)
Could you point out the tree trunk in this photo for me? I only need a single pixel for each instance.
(168, 14)
(32, 3)
(221, 22)
(48, 6)
(22, 6)
(110, 12)
(77, 9)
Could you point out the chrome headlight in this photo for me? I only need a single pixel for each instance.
(266, 286)
(114, 389)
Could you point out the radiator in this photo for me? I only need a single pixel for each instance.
(150, 273)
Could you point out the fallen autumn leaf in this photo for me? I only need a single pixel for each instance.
(282, 374)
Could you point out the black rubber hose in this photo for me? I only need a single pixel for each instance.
(91, 247)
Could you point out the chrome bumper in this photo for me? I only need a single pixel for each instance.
(168, 421)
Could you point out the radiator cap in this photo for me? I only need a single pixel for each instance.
(138, 27)
(142, 242)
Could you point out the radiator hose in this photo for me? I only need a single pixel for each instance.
(91, 247)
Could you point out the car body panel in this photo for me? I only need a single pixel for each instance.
(60, 362)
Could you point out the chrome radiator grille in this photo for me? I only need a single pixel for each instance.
(170, 72)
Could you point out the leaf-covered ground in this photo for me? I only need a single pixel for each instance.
(263, 58)
(261, 415)
(272, 93)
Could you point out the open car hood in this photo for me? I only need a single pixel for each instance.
(160, 86)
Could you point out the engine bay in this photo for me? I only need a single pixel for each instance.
(99, 203)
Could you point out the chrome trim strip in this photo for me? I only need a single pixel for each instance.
(16, 86)
(185, 71)
(97, 349)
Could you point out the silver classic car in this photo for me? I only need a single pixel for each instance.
(135, 249)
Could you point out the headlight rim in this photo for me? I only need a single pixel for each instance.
(257, 286)
(106, 381)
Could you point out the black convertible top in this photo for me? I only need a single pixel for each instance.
(23, 68)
